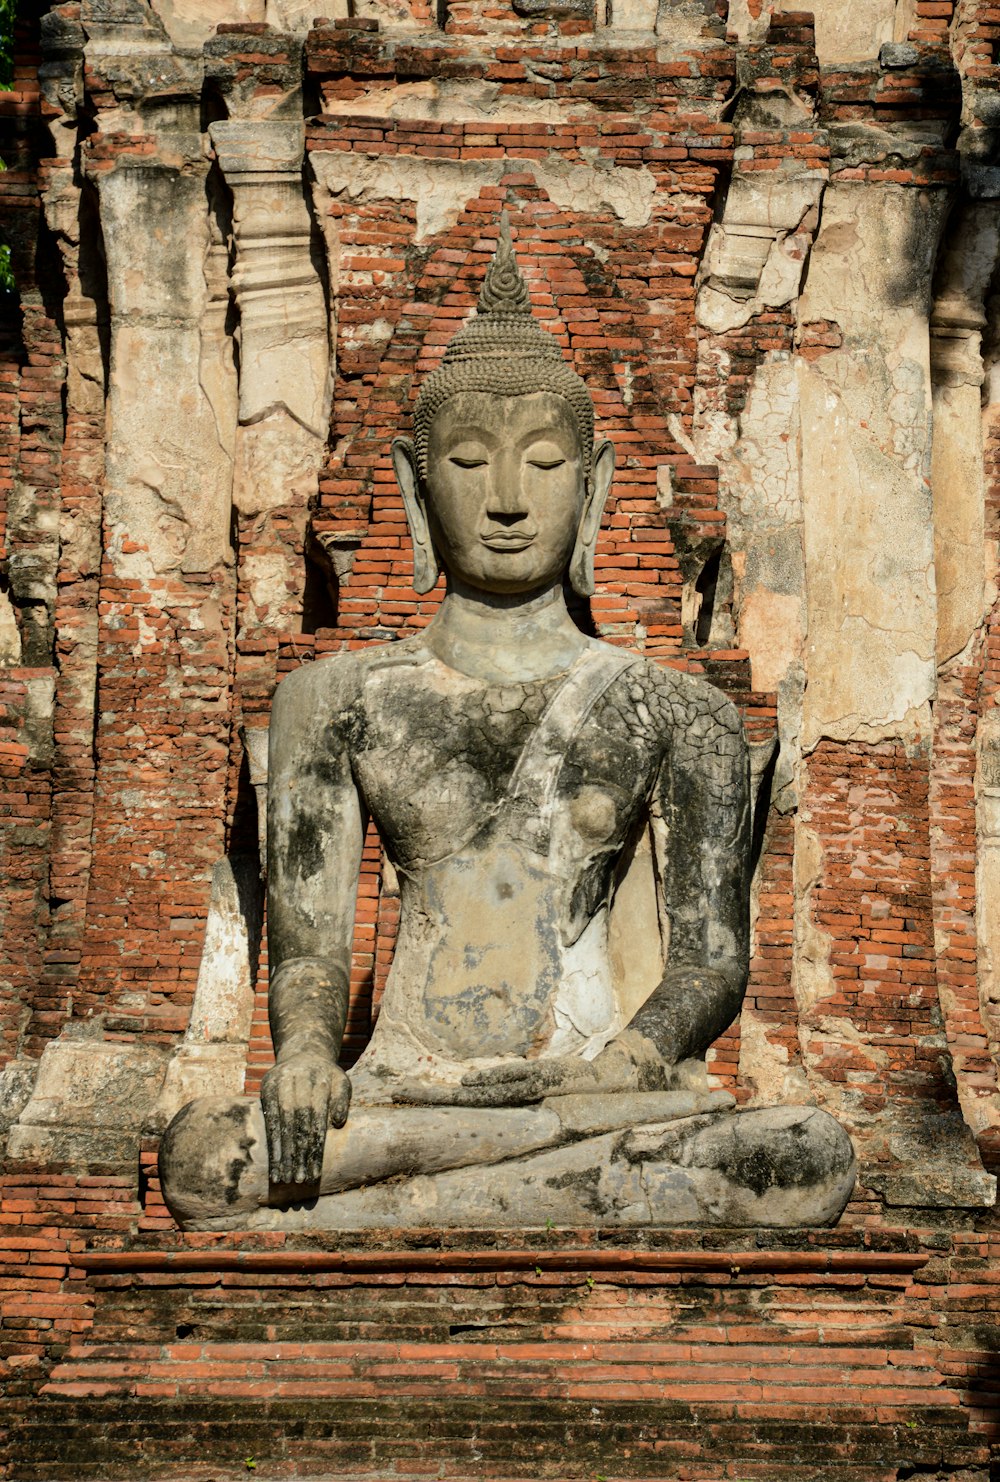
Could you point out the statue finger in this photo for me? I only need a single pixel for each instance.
(319, 1122)
(284, 1163)
(511, 1093)
(493, 1075)
(284, 1141)
(340, 1101)
(425, 1093)
(291, 1132)
(312, 1162)
(484, 1095)
(284, 1098)
(288, 1136)
(272, 1126)
(303, 1138)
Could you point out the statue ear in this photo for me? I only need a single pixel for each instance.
(426, 567)
(581, 567)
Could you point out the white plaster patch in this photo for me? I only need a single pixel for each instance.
(598, 186)
(10, 637)
(168, 471)
(764, 1065)
(870, 578)
(276, 463)
(760, 480)
(444, 99)
(297, 15)
(266, 580)
(443, 188)
(770, 628)
(778, 283)
(812, 979)
(441, 191)
(191, 22)
(852, 30)
(868, 529)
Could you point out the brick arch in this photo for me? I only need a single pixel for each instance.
(579, 299)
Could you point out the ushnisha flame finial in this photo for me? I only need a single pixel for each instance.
(502, 351)
(504, 290)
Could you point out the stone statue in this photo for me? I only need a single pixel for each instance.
(510, 763)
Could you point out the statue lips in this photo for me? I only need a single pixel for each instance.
(507, 541)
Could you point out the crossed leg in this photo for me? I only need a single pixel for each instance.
(655, 1158)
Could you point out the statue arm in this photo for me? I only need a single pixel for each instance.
(316, 828)
(702, 846)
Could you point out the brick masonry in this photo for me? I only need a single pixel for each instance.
(539, 1354)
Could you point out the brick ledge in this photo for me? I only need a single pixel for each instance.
(733, 1262)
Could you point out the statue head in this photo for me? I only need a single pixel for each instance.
(502, 482)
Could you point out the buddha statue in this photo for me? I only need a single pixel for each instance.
(510, 763)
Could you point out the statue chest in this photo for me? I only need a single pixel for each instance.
(446, 772)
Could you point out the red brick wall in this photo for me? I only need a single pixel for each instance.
(837, 1356)
(869, 804)
(147, 767)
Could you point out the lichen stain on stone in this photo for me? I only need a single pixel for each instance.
(791, 1160)
(585, 1183)
(304, 847)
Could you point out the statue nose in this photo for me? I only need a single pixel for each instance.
(507, 502)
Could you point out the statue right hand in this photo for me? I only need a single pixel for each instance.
(631, 1062)
(301, 1097)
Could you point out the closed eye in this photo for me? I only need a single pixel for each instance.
(546, 462)
(467, 462)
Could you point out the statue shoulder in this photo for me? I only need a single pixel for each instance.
(334, 681)
(332, 687)
(694, 708)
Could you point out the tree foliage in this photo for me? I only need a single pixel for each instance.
(6, 80)
(7, 8)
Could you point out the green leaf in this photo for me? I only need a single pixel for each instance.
(7, 44)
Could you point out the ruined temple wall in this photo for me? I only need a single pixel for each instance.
(32, 438)
(770, 254)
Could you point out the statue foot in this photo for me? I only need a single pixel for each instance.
(779, 1166)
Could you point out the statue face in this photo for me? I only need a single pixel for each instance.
(505, 489)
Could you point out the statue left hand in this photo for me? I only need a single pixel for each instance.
(629, 1063)
(520, 1082)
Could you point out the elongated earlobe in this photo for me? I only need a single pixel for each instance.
(426, 567)
(581, 567)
